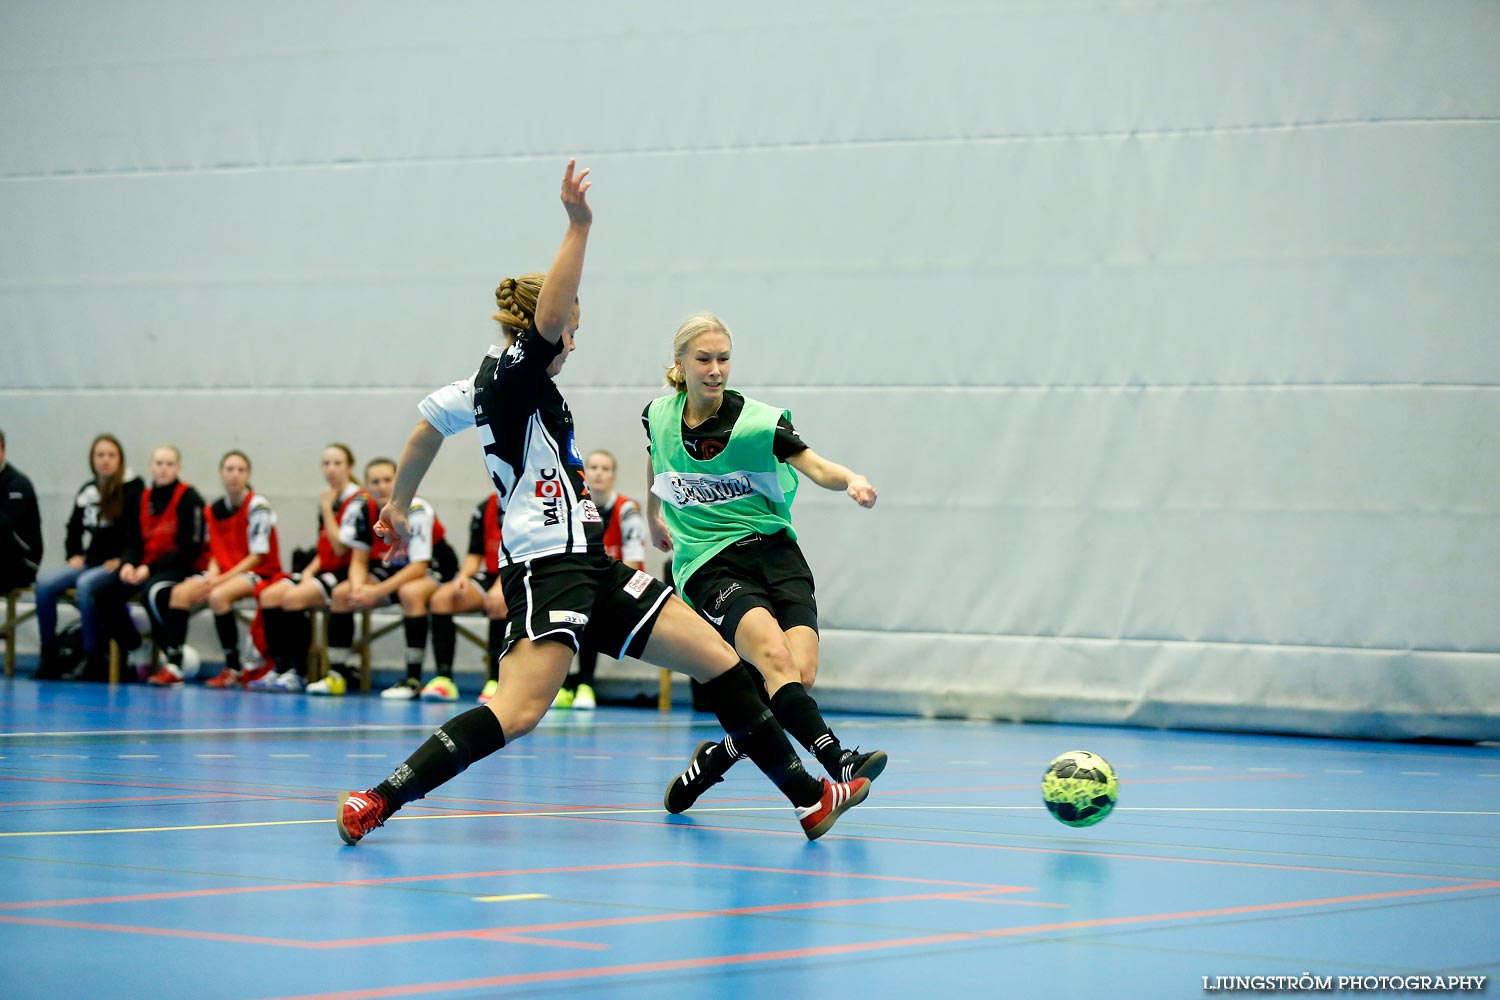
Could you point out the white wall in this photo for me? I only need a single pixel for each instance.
(1167, 331)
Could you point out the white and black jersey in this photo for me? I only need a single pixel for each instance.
(526, 432)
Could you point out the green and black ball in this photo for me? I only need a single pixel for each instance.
(1080, 788)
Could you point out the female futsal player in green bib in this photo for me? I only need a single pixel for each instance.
(723, 473)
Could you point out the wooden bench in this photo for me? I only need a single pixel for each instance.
(14, 621)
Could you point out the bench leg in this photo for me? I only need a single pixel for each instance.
(114, 662)
(664, 691)
(364, 651)
(317, 650)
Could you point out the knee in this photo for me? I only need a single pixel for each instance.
(518, 719)
(775, 661)
(220, 603)
(807, 668)
(413, 600)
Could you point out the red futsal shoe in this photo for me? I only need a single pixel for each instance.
(359, 813)
(838, 797)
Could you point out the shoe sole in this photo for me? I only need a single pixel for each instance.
(339, 819)
(667, 798)
(854, 799)
(874, 767)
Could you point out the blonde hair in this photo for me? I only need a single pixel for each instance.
(516, 299)
(691, 328)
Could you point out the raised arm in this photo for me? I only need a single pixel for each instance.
(833, 476)
(554, 306)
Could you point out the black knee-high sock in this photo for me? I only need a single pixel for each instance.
(455, 745)
(340, 638)
(174, 633)
(297, 626)
(415, 629)
(272, 622)
(158, 609)
(229, 639)
(798, 714)
(444, 643)
(495, 648)
(755, 732)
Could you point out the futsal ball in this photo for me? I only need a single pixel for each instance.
(190, 662)
(1080, 788)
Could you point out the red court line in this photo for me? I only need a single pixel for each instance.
(138, 798)
(566, 870)
(726, 961)
(295, 886)
(1020, 850)
(990, 886)
(521, 935)
(652, 918)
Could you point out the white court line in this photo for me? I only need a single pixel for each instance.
(656, 811)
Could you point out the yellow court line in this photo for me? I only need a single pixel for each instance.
(510, 898)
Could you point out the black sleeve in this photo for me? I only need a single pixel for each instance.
(73, 546)
(25, 520)
(646, 423)
(787, 442)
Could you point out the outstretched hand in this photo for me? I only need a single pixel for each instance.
(393, 527)
(574, 195)
(861, 492)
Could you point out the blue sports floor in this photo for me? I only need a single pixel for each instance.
(170, 844)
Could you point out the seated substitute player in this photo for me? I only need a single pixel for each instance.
(558, 582)
(476, 588)
(105, 508)
(374, 579)
(625, 540)
(285, 604)
(165, 551)
(244, 557)
(723, 464)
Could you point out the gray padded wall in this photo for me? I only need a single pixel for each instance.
(1167, 331)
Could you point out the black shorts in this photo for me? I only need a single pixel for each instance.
(567, 598)
(758, 571)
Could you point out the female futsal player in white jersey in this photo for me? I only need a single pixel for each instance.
(559, 583)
